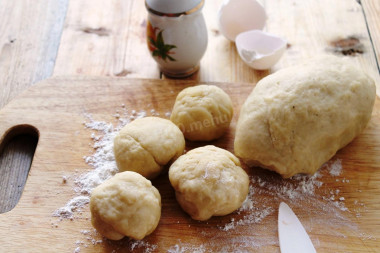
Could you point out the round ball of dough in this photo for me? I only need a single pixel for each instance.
(202, 112)
(125, 205)
(147, 144)
(209, 181)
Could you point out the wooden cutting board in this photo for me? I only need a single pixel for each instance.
(57, 108)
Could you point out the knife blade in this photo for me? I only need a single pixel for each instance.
(292, 235)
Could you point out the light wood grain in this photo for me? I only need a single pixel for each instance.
(108, 39)
(119, 48)
(372, 13)
(29, 38)
(15, 167)
(105, 38)
(58, 108)
(311, 26)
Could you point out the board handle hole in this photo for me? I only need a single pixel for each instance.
(17, 147)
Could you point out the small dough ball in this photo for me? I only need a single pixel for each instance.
(208, 181)
(147, 144)
(298, 118)
(125, 205)
(202, 112)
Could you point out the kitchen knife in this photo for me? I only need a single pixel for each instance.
(292, 235)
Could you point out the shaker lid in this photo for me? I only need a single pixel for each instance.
(173, 7)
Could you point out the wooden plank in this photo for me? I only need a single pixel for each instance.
(29, 38)
(318, 27)
(221, 61)
(15, 164)
(105, 38)
(309, 27)
(59, 107)
(95, 43)
(371, 10)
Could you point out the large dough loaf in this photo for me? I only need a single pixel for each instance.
(297, 118)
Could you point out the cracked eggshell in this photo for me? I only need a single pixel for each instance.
(237, 16)
(260, 50)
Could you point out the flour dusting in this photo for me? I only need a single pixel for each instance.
(183, 248)
(102, 161)
(300, 189)
(256, 212)
(265, 191)
(335, 167)
(73, 205)
(148, 248)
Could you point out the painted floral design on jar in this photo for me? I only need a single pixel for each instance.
(156, 44)
(176, 35)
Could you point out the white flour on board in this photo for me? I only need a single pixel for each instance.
(297, 191)
(102, 161)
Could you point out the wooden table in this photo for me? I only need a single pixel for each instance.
(40, 39)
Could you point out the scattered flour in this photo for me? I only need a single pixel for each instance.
(335, 168)
(264, 191)
(142, 244)
(74, 204)
(183, 248)
(103, 165)
(256, 212)
(299, 190)
(102, 161)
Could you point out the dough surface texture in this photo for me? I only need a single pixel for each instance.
(145, 145)
(202, 112)
(298, 118)
(125, 205)
(209, 181)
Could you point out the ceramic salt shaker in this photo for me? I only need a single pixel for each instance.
(176, 35)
